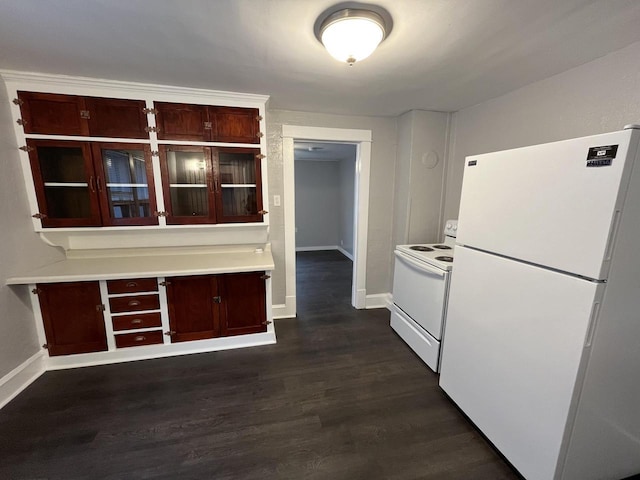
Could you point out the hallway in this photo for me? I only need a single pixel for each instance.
(323, 283)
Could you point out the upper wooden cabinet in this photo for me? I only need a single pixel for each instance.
(82, 184)
(211, 184)
(54, 114)
(178, 121)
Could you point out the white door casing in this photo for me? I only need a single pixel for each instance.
(362, 140)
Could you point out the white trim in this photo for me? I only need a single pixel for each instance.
(42, 82)
(346, 135)
(379, 300)
(362, 139)
(162, 350)
(325, 248)
(21, 377)
(283, 310)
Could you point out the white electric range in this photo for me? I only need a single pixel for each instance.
(420, 291)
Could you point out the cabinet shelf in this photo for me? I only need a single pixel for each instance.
(65, 184)
(238, 185)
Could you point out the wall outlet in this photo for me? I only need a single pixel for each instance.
(276, 200)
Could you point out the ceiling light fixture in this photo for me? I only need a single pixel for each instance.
(351, 35)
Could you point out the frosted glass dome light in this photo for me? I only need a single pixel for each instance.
(351, 35)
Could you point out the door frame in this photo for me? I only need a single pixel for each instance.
(362, 140)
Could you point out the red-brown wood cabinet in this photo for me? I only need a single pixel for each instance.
(73, 318)
(81, 184)
(203, 123)
(208, 306)
(55, 114)
(211, 184)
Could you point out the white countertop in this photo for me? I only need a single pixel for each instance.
(152, 262)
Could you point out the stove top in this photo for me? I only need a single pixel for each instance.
(433, 254)
(421, 248)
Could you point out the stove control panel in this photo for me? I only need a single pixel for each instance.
(451, 228)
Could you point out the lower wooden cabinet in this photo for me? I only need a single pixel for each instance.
(208, 306)
(194, 309)
(73, 318)
(243, 303)
(197, 307)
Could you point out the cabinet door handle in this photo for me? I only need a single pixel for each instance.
(98, 183)
(136, 321)
(132, 284)
(217, 299)
(133, 303)
(170, 332)
(92, 184)
(140, 338)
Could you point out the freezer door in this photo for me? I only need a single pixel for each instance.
(513, 352)
(549, 204)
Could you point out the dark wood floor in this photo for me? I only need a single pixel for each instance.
(340, 396)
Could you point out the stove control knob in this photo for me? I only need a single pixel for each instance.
(455, 227)
(448, 225)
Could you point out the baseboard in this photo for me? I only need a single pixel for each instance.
(316, 249)
(325, 248)
(378, 300)
(345, 253)
(21, 377)
(285, 310)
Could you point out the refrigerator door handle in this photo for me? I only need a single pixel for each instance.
(612, 235)
(592, 324)
(424, 267)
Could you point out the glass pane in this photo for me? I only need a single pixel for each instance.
(62, 164)
(239, 201)
(67, 202)
(237, 168)
(189, 201)
(129, 202)
(127, 184)
(187, 167)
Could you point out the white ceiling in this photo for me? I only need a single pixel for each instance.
(441, 54)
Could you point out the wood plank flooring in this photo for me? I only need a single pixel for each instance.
(340, 396)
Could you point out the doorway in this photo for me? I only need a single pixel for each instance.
(324, 224)
(362, 141)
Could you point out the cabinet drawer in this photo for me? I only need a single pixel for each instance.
(142, 320)
(132, 285)
(134, 303)
(142, 338)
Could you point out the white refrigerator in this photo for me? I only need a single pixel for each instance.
(542, 348)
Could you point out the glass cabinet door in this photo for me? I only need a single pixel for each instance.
(125, 183)
(187, 184)
(239, 192)
(65, 183)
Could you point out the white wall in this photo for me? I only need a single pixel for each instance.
(21, 251)
(420, 176)
(383, 152)
(600, 96)
(317, 187)
(347, 167)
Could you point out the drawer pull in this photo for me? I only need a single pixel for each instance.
(132, 284)
(133, 303)
(140, 338)
(136, 321)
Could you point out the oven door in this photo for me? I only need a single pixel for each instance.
(420, 290)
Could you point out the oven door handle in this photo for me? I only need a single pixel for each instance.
(418, 265)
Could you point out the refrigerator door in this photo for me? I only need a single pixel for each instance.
(550, 204)
(514, 351)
